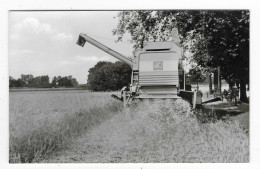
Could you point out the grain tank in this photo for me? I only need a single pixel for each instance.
(156, 69)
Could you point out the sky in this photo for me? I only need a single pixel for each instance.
(44, 42)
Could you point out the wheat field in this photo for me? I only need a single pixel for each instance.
(82, 126)
(43, 122)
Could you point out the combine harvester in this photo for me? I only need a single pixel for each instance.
(157, 71)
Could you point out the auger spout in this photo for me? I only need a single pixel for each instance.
(83, 38)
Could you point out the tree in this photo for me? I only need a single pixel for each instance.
(54, 82)
(197, 75)
(66, 81)
(107, 76)
(74, 82)
(122, 74)
(215, 38)
(145, 26)
(27, 80)
(11, 81)
(221, 38)
(15, 83)
(42, 81)
(96, 77)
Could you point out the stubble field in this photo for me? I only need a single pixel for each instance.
(82, 126)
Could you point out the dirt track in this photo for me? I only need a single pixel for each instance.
(108, 142)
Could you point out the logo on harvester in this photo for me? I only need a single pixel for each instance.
(158, 65)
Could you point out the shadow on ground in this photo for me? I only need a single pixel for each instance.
(220, 110)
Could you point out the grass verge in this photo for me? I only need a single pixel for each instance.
(168, 131)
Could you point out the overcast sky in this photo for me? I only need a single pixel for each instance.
(43, 43)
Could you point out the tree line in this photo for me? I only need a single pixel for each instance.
(218, 40)
(29, 80)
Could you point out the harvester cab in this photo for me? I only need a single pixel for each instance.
(156, 70)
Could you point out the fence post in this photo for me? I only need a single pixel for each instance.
(194, 99)
(124, 98)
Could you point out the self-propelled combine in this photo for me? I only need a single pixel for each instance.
(157, 71)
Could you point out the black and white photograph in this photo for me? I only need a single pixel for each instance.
(129, 86)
